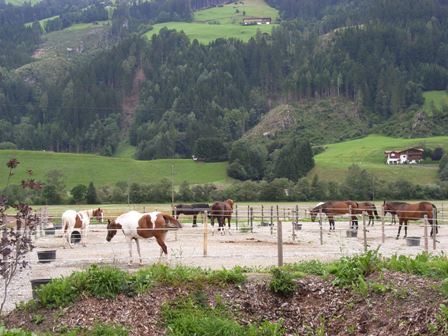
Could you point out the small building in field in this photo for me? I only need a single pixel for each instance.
(407, 156)
(256, 21)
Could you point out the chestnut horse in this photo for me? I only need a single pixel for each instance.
(336, 208)
(412, 211)
(392, 211)
(221, 211)
(136, 226)
(79, 220)
(370, 209)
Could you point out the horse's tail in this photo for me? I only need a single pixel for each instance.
(171, 222)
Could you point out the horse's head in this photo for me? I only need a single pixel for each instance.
(313, 214)
(230, 203)
(98, 214)
(112, 228)
(386, 207)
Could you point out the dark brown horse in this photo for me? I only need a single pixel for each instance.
(370, 209)
(414, 211)
(336, 208)
(221, 211)
(190, 210)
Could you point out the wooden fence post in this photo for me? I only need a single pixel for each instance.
(383, 235)
(236, 216)
(279, 243)
(272, 219)
(251, 220)
(248, 215)
(262, 214)
(425, 232)
(434, 228)
(320, 228)
(205, 234)
(364, 230)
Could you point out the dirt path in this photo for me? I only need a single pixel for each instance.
(130, 102)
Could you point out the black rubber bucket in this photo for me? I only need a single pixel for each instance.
(46, 256)
(36, 283)
(297, 226)
(75, 238)
(352, 233)
(50, 231)
(413, 241)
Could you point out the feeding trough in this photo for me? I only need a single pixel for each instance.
(57, 226)
(413, 241)
(75, 238)
(50, 231)
(36, 283)
(352, 233)
(297, 226)
(46, 256)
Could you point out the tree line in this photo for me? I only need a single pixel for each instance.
(358, 185)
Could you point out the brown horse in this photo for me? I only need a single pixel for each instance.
(370, 209)
(392, 211)
(190, 210)
(336, 208)
(221, 211)
(414, 211)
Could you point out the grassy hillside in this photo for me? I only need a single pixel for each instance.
(438, 98)
(368, 153)
(223, 22)
(83, 168)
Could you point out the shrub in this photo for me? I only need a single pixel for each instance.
(282, 282)
(106, 281)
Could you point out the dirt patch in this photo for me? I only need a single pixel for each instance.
(407, 308)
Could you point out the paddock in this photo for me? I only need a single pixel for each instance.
(252, 241)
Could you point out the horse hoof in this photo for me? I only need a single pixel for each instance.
(397, 238)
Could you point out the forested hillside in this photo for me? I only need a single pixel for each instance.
(377, 55)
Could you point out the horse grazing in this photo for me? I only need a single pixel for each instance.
(412, 211)
(221, 211)
(370, 209)
(190, 210)
(336, 208)
(136, 226)
(79, 220)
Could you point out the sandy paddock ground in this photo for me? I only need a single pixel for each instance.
(186, 247)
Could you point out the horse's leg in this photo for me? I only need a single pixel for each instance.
(194, 220)
(137, 242)
(228, 219)
(405, 228)
(399, 228)
(330, 221)
(161, 241)
(212, 223)
(130, 250)
(84, 235)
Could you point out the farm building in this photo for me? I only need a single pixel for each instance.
(254, 21)
(407, 156)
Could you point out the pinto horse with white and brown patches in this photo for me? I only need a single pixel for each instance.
(412, 211)
(79, 220)
(221, 211)
(136, 225)
(336, 208)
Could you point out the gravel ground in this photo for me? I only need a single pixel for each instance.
(187, 247)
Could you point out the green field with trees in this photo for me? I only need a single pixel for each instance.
(84, 168)
(368, 153)
(223, 22)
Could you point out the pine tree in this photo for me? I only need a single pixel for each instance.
(91, 196)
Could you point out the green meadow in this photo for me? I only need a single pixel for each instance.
(436, 98)
(223, 22)
(83, 168)
(368, 153)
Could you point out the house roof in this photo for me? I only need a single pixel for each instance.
(403, 150)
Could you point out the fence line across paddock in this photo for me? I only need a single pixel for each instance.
(250, 220)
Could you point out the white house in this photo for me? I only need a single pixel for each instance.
(407, 156)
